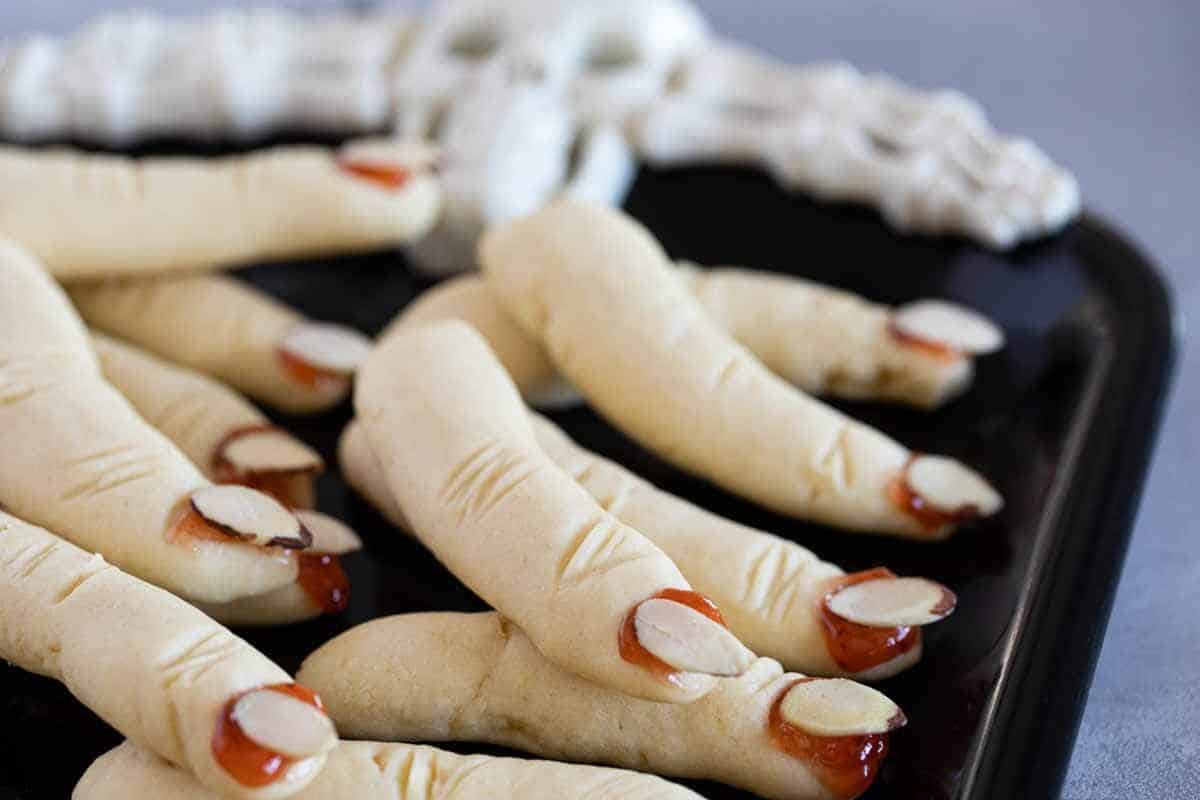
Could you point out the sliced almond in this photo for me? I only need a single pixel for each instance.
(950, 487)
(327, 347)
(839, 707)
(891, 602)
(329, 535)
(268, 450)
(414, 154)
(283, 724)
(250, 515)
(689, 641)
(950, 325)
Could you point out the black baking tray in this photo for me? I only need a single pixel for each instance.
(1063, 421)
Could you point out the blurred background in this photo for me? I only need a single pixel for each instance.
(1111, 89)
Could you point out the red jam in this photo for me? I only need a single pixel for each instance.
(845, 765)
(389, 176)
(632, 650)
(251, 764)
(907, 500)
(938, 350)
(323, 580)
(193, 525)
(292, 488)
(309, 376)
(856, 647)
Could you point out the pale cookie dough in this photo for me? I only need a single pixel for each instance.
(456, 445)
(79, 460)
(378, 771)
(929, 161)
(477, 678)
(231, 75)
(227, 329)
(223, 434)
(820, 339)
(146, 662)
(599, 293)
(771, 591)
(95, 216)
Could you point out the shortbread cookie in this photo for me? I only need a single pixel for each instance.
(478, 678)
(228, 330)
(822, 340)
(231, 75)
(78, 459)
(928, 161)
(775, 594)
(127, 216)
(377, 771)
(223, 434)
(599, 293)
(156, 669)
(454, 440)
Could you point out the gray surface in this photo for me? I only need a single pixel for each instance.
(1110, 88)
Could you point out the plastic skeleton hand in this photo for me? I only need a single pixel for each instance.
(510, 148)
(229, 75)
(928, 161)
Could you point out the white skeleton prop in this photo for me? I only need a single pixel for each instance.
(235, 74)
(531, 98)
(928, 161)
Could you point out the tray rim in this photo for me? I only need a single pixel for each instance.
(1030, 726)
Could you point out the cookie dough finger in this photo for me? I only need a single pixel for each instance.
(596, 596)
(820, 339)
(156, 669)
(478, 678)
(127, 216)
(776, 596)
(379, 771)
(79, 460)
(222, 433)
(597, 290)
(228, 330)
(830, 342)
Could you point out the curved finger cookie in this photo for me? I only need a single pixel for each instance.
(156, 669)
(598, 292)
(476, 677)
(378, 771)
(820, 339)
(452, 436)
(779, 598)
(228, 330)
(129, 217)
(80, 460)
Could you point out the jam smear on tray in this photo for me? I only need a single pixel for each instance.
(845, 765)
(858, 647)
(632, 650)
(249, 763)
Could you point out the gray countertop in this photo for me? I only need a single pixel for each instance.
(1110, 88)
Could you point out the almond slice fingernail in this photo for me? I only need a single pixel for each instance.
(250, 515)
(950, 487)
(689, 641)
(327, 347)
(329, 535)
(839, 707)
(411, 154)
(284, 724)
(950, 325)
(893, 602)
(268, 449)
